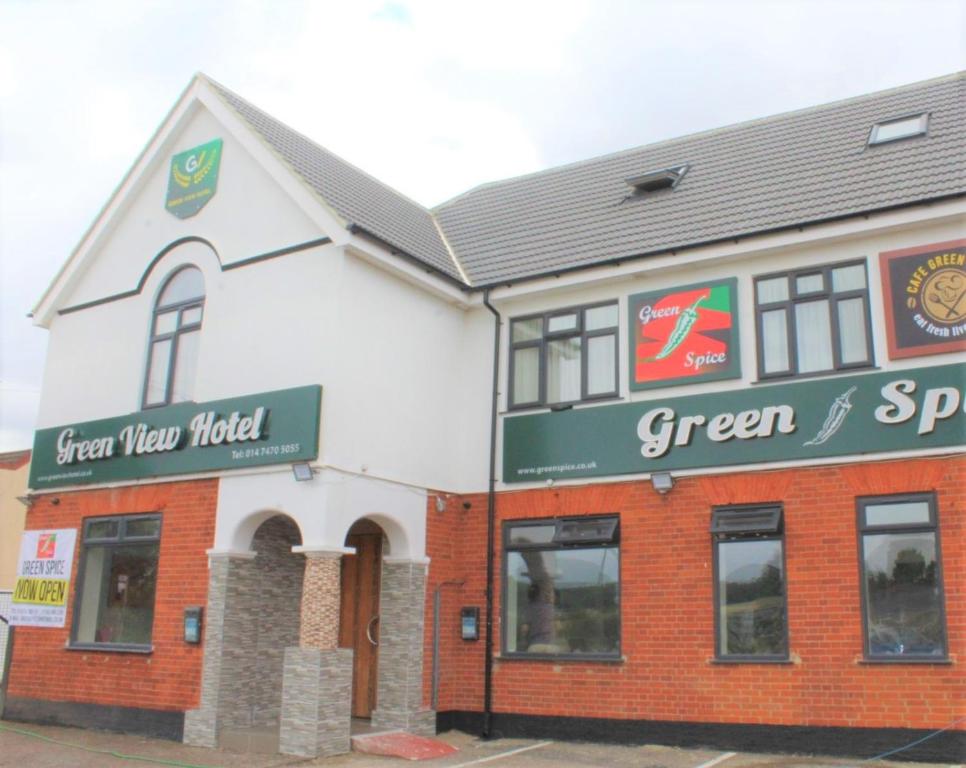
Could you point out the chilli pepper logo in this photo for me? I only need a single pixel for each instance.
(836, 418)
(46, 546)
(683, 334)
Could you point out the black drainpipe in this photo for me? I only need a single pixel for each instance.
(491, 524)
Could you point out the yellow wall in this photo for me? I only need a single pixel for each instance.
(13, 483)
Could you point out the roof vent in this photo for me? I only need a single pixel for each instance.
(664, 178)
(898, 128)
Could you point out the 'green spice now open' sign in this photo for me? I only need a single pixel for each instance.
(838, 416)
(267, 428)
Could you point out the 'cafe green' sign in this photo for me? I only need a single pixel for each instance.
(193, 179)
(267, 428)
(837, 416)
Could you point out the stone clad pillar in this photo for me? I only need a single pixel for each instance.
(227, 677)
(321, 593)
(317, 675)
(399, 697)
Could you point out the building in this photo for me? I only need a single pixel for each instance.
(681, 425)
(14, 469)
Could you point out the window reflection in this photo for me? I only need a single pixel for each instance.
(751, 597)
(903, 594)
(563, 601)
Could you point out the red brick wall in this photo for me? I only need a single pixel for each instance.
(667, 605)
(170, 677)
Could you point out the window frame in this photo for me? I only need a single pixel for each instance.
(542, 344)
(613, 543)
(173, 336)
(788, 306)
(931, 526)
(721, 537)
(116, 541)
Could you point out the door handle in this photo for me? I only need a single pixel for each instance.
(372, 621)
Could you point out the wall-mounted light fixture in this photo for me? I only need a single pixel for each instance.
(662, 482)
(302, 472)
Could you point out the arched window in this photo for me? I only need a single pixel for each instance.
(175, 333)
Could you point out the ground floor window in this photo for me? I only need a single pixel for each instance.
(562, 588)
(118, 576)
(749, 568)
(901, 578)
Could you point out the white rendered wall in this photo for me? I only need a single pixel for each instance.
(248, 215)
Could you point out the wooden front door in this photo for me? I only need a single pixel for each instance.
(359, 625)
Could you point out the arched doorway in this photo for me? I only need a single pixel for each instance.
(359, 615)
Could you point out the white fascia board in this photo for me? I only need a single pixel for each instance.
(733, 250)
(414, 274)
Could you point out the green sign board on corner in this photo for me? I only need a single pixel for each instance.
(278, 427)
(193, 179)
(836, 416)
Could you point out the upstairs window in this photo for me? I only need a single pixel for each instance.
(564, 356)
(175, 333)
(813, 320)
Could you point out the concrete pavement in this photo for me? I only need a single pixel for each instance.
(36, 746)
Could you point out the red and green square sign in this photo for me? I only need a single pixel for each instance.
(684, 335)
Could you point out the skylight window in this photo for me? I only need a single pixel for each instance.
(663, 178)
(899, 128)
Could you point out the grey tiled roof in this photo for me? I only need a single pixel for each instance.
(770, 174)
(356, 196)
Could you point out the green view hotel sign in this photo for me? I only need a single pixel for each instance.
(193, 179)
(267, 428)
(843, 415)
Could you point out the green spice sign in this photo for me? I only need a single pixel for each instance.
(684, 335)
(267, 428)
(842, 415)
(193, 179)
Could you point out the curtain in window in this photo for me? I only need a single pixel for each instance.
(813, 334)
(601, 365)
(563, 370)
(774, 341)
(852, 331)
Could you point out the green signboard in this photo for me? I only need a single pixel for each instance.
(278, 427)
(193, 179)
(836, 416)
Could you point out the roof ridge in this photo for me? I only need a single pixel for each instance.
(312, 141)
(707, 132)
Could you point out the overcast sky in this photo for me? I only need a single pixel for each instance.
(430, 97)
